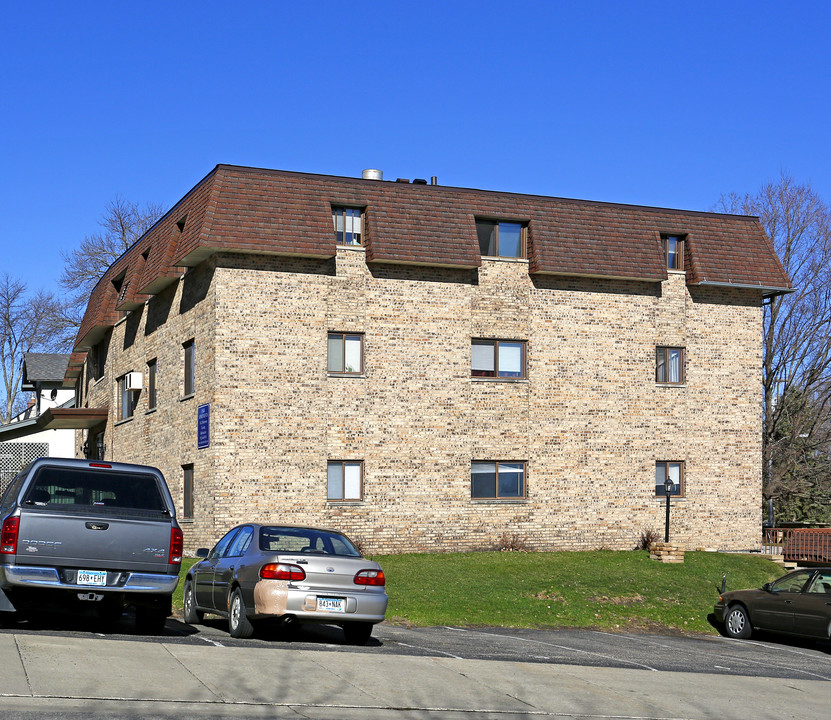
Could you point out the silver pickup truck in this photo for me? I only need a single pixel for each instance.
(84, 531)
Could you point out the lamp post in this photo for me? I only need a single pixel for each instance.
(667, 490)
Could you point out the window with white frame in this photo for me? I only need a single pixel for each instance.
(497, 480)
(345, 480)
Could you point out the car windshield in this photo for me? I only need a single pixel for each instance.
(305, 540)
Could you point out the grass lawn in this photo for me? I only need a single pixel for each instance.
(603, 589)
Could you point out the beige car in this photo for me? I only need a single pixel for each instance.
(286, 574)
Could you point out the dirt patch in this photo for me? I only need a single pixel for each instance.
(623, 600)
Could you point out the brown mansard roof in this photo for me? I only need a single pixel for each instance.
(275, 212)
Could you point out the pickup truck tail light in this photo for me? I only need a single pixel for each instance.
(8, 538)
(282, 571)
(370, 577)
(176, 546)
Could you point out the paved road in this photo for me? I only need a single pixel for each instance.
(65, 667)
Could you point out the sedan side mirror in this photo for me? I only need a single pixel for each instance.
(765, 587)
(202, 552)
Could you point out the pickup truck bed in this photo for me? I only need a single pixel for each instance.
(88, 531)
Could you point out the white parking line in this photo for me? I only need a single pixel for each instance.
(729, 656)
(418, 647)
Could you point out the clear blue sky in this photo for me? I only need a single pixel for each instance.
(653, 103)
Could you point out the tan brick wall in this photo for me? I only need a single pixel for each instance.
(590, 421)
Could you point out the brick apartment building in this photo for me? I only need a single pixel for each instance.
(431, 368)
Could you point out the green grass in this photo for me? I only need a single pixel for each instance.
(602, 589)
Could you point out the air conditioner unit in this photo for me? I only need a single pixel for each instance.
(134, 381)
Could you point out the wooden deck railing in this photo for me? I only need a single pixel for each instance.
(799, 544)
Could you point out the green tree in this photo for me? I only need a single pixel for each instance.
(796, 366)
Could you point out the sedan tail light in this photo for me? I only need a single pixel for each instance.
(176, 546)
(8, 538)
(370, 577)
(282, 571)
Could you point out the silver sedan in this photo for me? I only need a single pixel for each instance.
(289, 574)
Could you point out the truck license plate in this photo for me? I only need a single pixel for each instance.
(328, 604)
(92, 577)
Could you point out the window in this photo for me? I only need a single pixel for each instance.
(675, 471)
(497, 358)
(348, 223)
(346, 353)
(151, 384)
(669, 365)
(187, 491)
(345, 481)
(97, 359)
(498, 480)
(674, 248)
(241, 542)
(126, 399)
(190, 368)
(501, 239)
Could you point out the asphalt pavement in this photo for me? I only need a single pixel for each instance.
(63, 671)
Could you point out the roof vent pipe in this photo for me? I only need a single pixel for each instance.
(434, 180)
(372, 174)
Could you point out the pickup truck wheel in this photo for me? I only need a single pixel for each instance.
(150, 620)
(357, 633)
(239, 625)
(191, 615)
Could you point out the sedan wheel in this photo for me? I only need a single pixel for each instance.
(239, 625)
(357, 633)
(191, 615)
(737, 623)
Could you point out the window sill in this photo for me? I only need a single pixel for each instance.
(124, 421)
(346, 375)
(500, 380)
(150, 411)
(185, 521)
(359, 248)
(345, 503)
(499, 501)
(673, 498)
(671, 385)
(187, 397)
(520, 260)
(676, 272)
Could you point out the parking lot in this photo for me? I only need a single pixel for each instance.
(766, 656)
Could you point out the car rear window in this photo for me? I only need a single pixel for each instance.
(68, 488)
(305, 540)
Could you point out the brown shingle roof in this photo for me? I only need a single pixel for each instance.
(286, 213)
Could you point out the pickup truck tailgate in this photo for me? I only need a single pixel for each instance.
(94, 541)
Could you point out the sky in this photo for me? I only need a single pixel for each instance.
(667, 104)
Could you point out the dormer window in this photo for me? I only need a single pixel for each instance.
(674, 251)
(348, 224)
(501, 239)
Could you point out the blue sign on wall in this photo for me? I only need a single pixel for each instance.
(203, 426)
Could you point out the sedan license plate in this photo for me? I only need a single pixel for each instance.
(92, 577)
(329, 604)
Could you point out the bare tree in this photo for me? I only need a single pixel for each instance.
(25, 325)
(797, 340)
(122, 223)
